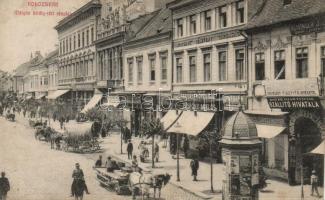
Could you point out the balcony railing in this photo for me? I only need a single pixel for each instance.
(77, 80)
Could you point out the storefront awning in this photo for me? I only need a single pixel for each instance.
(40, 96)
(92, 103)
(320, 149)
(170, 118)
(57, 94)
(268, 131)
(191, 123)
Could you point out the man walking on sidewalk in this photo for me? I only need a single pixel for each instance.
(314, 183)
(130, 150)
(195, 167)
(4, 186)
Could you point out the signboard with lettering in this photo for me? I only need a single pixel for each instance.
(292, 88)
(316, 24)
(294, 102)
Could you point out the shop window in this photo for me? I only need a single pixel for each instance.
(163, 61)
(130, 68)
(152, 65)
(193, 24)
(192, 61)
(207, 66)
(223, 16)
(140, 65)
(259, 66)
(179, 70)
(279, 65)
(207, 20)
(302, 62)
(180, 27)
(240, 64)
(222, 66)
(240, 12)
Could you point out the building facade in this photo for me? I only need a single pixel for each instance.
(286, 81)
(77, 59)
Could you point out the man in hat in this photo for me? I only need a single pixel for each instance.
(195, 167)
(78, 175)
(314, 183)
(130, 150)
(4, 186)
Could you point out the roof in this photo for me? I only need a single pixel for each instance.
(274, 12)
(137, 24)
(179, 3)
(84, 8)
(160, 23)
(22, 69)
(52, 56)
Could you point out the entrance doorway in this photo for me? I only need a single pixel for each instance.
(308, 137)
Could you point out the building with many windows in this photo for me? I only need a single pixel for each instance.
(148, 66)
(51, 62)
(286, 84)
(77, 59)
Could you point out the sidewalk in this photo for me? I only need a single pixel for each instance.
(201, 189)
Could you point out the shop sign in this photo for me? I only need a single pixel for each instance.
(292, 88)
(209, 38)
(294, 102)
(316, 24)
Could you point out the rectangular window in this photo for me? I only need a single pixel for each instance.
(207, 20)
(180, 27)
(240, 55)
(193, 24)
(192, 62)
(207, 66)
(78, 40)
(92, 34)
(279, 65)
(302, 62)
(63, 47)
(87, 37)
(223, 75)
(139, 64)
(259, 66)
(70, 44)
(67, 45)
(130, 67)
(323, 62)
(74, 42)
(240, 12)
(163, 60)
(223, 16)
(179, 70)
(83, 39)
(152, 64)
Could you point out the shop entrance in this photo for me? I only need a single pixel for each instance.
(307, 137)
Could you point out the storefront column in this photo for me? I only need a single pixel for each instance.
(271, 153)
(286, 149)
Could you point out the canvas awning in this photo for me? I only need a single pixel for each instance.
(320, 149)
(92, 103)
(191, 123)
(57, 94)
(268, 131)
(170, 118)
(40, 96)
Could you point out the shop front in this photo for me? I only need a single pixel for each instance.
(294, 108)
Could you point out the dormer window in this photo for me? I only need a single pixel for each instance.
(287, 2)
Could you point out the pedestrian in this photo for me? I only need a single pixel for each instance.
(61, 120)
(67, 118)
(314, 183)
(99, 162)
(186, 146)
(130, 150)
(156, 152)
(195, 167)
(135, 164)
(4, 186)
(109, 164)
(78, 180)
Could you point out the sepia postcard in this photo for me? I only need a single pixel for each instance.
(162, 99)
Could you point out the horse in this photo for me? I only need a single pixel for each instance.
(144, 182)
(78, 188)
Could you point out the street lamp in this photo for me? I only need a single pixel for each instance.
(177, 126)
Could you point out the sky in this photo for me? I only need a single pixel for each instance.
(21, 35)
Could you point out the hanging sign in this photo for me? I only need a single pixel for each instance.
(294, 102)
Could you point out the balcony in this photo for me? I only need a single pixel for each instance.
(107, 32)
(115, 84)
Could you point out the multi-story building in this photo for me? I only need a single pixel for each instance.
(77, 60)
(18, 77)
(32, 79)
(51, 61)
(286, 81)
(209, 60)
(148, 66)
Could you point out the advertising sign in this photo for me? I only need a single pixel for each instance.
(294, 102)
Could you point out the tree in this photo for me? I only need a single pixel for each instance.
(151, 128)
